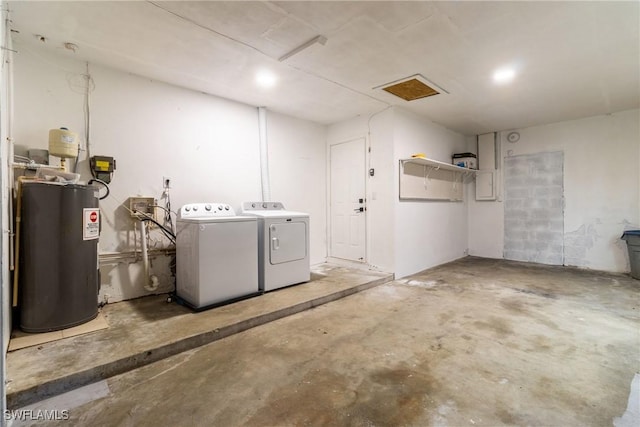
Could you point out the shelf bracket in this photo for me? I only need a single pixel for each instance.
(426, 177)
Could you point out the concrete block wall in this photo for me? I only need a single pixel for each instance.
(534, 217)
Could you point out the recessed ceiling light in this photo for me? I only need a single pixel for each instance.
(266, 79)
(504, 75)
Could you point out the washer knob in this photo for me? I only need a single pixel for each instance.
(207, 207)
(264, 205)
(195, 208)
(187, 208)
(226, 208)
(219, 207)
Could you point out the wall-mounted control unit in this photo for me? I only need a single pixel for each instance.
(102, 167)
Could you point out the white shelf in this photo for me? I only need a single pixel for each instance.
(426, 179)
(437, 165)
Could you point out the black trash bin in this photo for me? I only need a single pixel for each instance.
(633, 246)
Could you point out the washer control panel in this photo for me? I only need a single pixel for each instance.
(262, 206)
(206, 210)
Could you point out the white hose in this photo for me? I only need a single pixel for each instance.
(150, 282)
(264, 154)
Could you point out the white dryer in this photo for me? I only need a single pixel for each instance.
(283, 244)
(216, 255)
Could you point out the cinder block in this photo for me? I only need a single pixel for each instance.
(514, 245)
(556, 203)
(556, 248)
(514, 204)
(534, 223)
(518, 193)
(541, 246)
(557, 226)
(545, 236)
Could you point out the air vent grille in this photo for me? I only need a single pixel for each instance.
(412, 88)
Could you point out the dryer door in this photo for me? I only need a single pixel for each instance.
(287, 242)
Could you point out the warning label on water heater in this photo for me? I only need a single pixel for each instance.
(90, 223)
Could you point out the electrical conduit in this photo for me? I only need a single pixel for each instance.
(264, 154)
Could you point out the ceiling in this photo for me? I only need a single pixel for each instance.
(571, 59)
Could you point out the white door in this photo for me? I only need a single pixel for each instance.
(347, 207)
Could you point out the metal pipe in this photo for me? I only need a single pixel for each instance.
(107, 258)
(10, 148)
(19, 165)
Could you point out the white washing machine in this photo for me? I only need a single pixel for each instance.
(216, 255)
(283, 244)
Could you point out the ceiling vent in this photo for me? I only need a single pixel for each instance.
(412, 88)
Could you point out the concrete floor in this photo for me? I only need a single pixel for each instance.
(474, 342)
(146, 330)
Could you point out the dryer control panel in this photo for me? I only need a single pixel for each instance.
(206, 210)
(262, 206)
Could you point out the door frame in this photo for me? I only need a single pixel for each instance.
(366, 195)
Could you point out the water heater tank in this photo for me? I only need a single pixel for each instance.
(63, 143)
(58, 271)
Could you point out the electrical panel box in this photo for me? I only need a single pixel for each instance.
(144, 205)
(485, 185)
(487, 175)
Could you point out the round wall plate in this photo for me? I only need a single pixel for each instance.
(513, 137)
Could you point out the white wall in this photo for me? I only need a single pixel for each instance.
(409, 236)
(428, 233)
(383, 190)
(208, 146)
(297, 170)
(486, 218)
(601, 177)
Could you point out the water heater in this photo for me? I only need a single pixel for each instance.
(59, 232)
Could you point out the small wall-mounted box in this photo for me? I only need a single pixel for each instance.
(465, 160)
(486, 185)
(144, 205)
